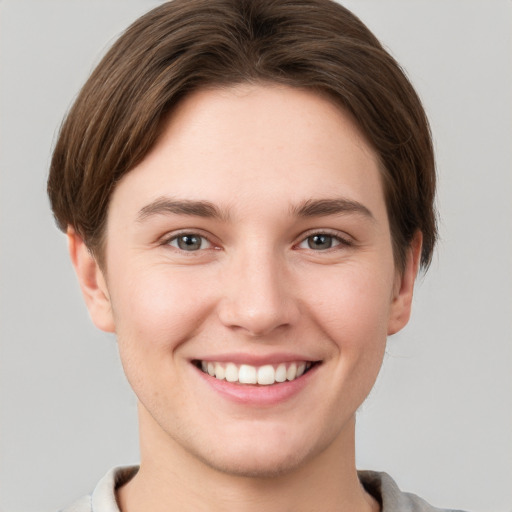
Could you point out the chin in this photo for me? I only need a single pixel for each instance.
(263, 465)
(261, 456)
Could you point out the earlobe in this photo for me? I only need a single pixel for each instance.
(92, 282)
(403, 293)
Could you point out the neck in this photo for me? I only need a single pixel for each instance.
(172, 479)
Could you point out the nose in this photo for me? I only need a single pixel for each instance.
(258, 296)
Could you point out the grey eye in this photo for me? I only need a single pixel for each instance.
(320, 242)
(189, 242)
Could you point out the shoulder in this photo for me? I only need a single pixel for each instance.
(82, 505)
(103, 497)
(383, 488)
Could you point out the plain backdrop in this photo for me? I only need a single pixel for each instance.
(440, 417)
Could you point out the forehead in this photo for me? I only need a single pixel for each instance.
(256, 143)
(265, 118)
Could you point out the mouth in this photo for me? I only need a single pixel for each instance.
(265, 375)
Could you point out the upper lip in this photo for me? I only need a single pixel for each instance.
(255, 359)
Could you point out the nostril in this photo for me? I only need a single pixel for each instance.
(259, 300)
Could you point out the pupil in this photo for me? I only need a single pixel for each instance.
(189, 242)
(320, 242)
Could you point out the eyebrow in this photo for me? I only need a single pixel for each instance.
(165, 206)
(324, 207)
(206, 209)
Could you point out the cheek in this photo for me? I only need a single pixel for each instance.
(155, 313)
(157, 310)
(353, 306)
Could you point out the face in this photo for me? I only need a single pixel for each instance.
(250, 279)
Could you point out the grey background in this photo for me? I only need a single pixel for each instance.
(440, 418)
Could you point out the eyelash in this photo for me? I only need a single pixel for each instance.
(333, 237)
(192, 234)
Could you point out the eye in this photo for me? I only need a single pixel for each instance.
(189, 242)
(321, 242)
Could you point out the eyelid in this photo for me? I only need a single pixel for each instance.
(343, 239)
(169, 237)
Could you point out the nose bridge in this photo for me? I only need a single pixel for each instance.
(259, 296)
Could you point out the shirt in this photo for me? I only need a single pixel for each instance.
(380, 485)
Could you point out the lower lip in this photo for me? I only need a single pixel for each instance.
(254, 395)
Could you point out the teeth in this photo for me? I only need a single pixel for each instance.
(231, 373)
(291, 373)
(281, 373)
(264, 375)
(247, 374)
(220, 372)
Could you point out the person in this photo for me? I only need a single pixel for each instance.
(247, 188)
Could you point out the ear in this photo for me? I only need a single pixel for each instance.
(404, 287)
(92, 282)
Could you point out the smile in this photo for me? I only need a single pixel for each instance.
(265, 375)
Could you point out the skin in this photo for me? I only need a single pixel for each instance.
(254, 288)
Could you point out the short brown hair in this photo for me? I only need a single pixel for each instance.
(184, 45)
